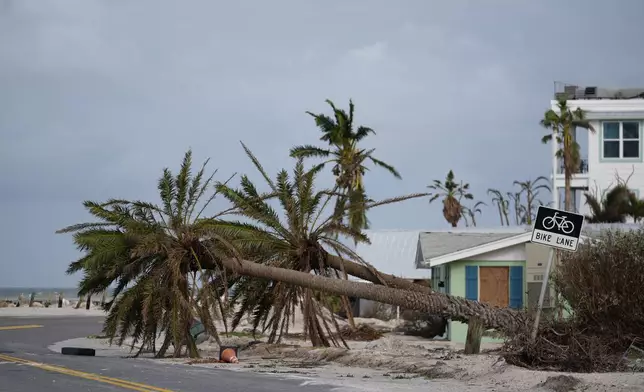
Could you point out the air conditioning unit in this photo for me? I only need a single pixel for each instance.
(536, 260)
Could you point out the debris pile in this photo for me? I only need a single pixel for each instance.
(601, 284)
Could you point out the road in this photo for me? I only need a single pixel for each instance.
(26, 365)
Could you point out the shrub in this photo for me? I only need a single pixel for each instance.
(603, 285)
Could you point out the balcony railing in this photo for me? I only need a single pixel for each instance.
(583, 167)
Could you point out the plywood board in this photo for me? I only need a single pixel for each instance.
(494, 285)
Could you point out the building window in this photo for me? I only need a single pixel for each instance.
(621, 139)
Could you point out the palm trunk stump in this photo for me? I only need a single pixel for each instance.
(475, 329)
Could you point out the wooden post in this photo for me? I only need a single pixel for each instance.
(475, 330)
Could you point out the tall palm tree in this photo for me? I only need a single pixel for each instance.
(531, 188)
(150, 253)
(453, 194)
(469, 213)
(562, 124)
(613, 206)
(502, 205)
(348, 159)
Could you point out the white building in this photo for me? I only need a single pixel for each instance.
(613, 151)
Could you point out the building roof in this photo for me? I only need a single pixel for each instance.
(444, 247)
(394, 252)
(435, 244)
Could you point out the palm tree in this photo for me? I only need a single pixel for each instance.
(150, 252)
(531, 189)
(613, 206)
(470, 213)
(302, 240)
(501, 203)
(347, 157)
(562, 124)
(452, 193)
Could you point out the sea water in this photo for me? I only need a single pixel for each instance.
(42, 293)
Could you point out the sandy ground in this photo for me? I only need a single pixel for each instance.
(392, 363)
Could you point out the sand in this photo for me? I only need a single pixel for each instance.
(392, 363)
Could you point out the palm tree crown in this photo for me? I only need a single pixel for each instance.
(347, 157)
(562, 124)
(151, 254)
(452, 193)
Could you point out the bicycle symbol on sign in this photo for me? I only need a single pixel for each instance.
(562, 223)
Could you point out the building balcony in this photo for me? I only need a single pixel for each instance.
(581, 170)
(580, 179)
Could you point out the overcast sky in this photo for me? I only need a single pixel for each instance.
(96, 97)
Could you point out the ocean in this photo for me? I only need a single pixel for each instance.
(42, 293)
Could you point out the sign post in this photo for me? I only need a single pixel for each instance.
(559, 230)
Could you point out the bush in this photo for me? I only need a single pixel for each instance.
(603, 285)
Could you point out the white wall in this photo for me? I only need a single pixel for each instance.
(602, 175)
(512, 253)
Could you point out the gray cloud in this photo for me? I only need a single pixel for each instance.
(96, 97)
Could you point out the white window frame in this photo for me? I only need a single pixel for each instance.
(621, 140)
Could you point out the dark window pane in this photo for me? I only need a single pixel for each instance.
(631, 130)
(631, 149)
(611, 149)
(611, 130)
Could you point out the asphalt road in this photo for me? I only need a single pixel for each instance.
(26, 365)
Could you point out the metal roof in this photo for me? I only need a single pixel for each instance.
(394, 252)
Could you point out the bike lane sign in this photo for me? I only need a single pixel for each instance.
(558, 229)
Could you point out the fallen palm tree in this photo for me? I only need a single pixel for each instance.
(159, 257)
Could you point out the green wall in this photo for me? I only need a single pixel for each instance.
(458, 330)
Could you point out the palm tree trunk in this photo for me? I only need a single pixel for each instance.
(371, 275)
(505, 213)
(89, 301)
(529, 207)
(455, 308)
(501, 214)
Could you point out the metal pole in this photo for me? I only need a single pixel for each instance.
(544, 287)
